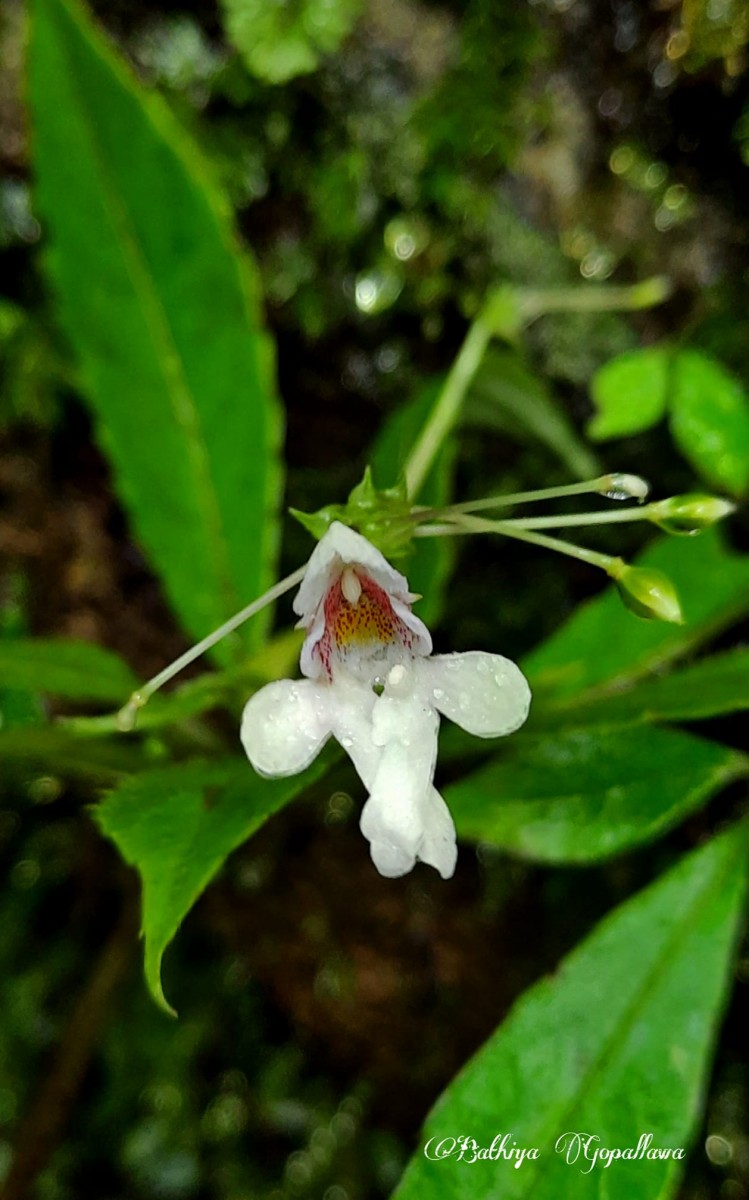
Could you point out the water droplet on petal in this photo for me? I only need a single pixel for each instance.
(438, 694)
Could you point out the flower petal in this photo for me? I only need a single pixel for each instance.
(309, 665)
(390, 857)
(352, 701)
(397, 817)
(438, 846)
(285, 725)
(486, 694)
(421, 642)
(392, 817)
(341, 545)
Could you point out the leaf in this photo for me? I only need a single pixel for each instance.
(162, 311)
(615, 1044)
(76, 670)
(710, 420)
(431, 561)
(281, 40)
(278, 658)
(602, 643)
(176, 826)
(506, 395)
(709, 688)
(30, 751)
(581, 795)
(630, 393)
(20, 705)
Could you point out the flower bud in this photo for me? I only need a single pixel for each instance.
(689, 514)
(624, 487)
(649, 594)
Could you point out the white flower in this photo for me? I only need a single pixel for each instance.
(373, 684)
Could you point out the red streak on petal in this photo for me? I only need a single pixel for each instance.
(350, 627)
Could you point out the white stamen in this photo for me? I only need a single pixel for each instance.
(350, 585)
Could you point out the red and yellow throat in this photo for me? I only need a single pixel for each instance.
(361, 625)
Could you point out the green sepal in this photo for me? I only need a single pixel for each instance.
(381, 515)
(318, 523)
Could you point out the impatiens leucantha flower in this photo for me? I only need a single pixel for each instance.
(373, 683)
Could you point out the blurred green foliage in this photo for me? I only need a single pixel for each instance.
(280, 40)
(708, 407)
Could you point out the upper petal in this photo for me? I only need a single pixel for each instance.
(285, 725)
(341, 545)
(486, 694)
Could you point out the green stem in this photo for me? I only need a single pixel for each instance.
(568, 520)
(447, 406)
(593, 298)
(607, 562)
(615, 486)
(127, 716)
(504, 314)
(188, 702)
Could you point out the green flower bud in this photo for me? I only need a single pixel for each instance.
(649, 594)
(689, 514)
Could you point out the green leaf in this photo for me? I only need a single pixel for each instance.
(278, 658)
(176, 826)
(162, 311)
(630, 393)
(615, 1044)
(708, 688)
(581, 795)
(710, 420)
(279, 40)
(76, 670)
(601, 643)
(431, 561)
(30, 751)
(20, 705)
(506, 395)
